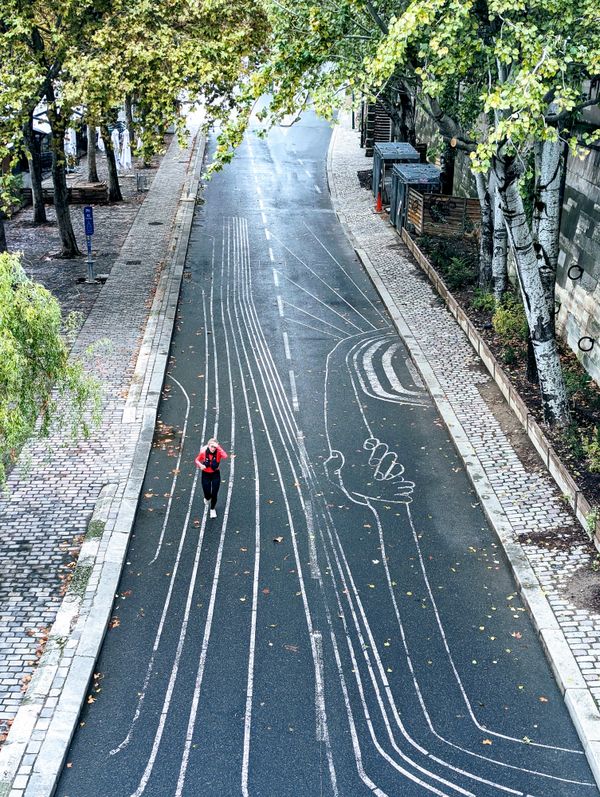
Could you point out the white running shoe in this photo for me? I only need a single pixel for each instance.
(213, 512)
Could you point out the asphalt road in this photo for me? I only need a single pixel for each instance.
(348, 624)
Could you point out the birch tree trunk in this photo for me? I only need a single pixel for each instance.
(540, 316)
(486, 235)
(547, 213)
(114, 189)
(92, 170)
(500, 251)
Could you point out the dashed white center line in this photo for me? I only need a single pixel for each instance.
(286, 346)
(264, 218)
(280, 306)
(300, 161)
(267, 235)
(295, 404)
(276, 278)
(261, 204)
(317, 189)
(271, 255)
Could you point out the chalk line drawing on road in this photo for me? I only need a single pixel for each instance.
(326, 284)
(349, 277)
(192, 585)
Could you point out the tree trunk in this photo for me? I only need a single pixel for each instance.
(129, 116)
(114, 190)
(3, 246)
(547, 214)
(500, 251)
(34, 159)
(59, 179)
(486, 235)
(540, 316)
(448, 162)
(92, 174)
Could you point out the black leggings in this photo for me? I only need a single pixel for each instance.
(210, 485)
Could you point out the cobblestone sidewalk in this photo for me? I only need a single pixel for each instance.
(521, 499)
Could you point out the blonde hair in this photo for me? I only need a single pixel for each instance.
(211, 442)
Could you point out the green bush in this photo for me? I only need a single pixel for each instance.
(591, 448)
(509, 355)
(483, 300)
(509, 319)
(458, 273)
(572, 438)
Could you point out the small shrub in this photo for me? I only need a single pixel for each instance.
(509, 319)
(458, 273)
(484, 301)
(591, 448)
(572, 438)
(509, 356)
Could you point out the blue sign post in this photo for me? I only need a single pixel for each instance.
(88, 221)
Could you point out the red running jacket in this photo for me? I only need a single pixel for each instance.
(202, 456)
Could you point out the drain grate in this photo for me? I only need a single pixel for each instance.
(155, 223)
(133, 262)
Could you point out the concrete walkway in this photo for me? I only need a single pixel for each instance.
(520, 499)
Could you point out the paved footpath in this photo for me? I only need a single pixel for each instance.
(522, 502)
(61, 495)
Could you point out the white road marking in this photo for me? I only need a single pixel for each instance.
(280, 305)
(286, 346)
(276, 278)
(316, 318)
(271, 255)
(316, 298)
(308, 326)
(267, 235)
(337, 262)
(295, 404)
(326, 284)
(317, 189)
(264, 218)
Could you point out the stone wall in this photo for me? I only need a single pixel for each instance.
(578, 278)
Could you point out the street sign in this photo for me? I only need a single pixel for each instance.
(88, 220)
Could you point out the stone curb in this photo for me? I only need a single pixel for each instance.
(579, 700)
(60, 682)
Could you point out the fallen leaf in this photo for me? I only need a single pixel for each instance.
(486, 741)
(278, 539)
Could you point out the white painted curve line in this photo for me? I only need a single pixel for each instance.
(295, 403)
(175, 472)
(339, 265)
(316, 298)
(316, 318)
(320, 331)
(258, 335)
(286, 346)
(271, 255)
(210, 611)
(327, 285)
(275, 278)
(280, 306)
(455, 671)
(417, 687)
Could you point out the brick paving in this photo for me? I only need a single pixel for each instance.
(527, 494)
(54, 488)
